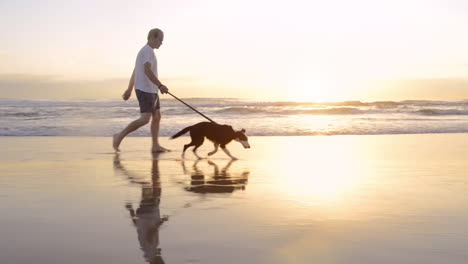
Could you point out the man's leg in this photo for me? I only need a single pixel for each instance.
(155, 132)
(143, 120)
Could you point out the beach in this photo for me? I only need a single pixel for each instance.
(356, 114)
(322, 199)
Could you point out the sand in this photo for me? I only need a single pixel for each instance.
(337, 199)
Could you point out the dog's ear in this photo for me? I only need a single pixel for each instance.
(243, 130)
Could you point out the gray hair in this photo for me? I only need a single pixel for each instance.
(155, 32)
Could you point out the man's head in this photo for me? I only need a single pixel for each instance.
(155, 38)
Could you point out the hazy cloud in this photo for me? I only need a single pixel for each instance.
(427, 89)
(28, 86)
(54, 87)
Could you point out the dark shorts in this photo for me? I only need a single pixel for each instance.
(149, 102)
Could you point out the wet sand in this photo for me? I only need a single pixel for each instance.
(337, 199)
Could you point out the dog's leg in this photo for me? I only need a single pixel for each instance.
(186, 147)
(195, 152)
(215, 150)
(195, 141)
(227, 152)
(198, 144)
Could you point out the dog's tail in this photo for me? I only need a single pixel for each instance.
(180, 133)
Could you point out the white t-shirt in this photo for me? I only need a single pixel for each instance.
(142, 82)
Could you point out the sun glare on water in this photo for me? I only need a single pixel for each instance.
(321, 173)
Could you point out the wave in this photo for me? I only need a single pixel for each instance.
(441, 112)
(274, 130)
(20, 114)
(105, 117)
(224, 102)
(280, 111)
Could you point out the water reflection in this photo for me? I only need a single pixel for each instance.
(146, 218)
(220, 181)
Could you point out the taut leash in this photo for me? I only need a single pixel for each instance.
(191, 107)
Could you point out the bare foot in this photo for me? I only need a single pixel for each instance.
(159, 149)
(115, 142)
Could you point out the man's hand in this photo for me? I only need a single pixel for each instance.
(127, 94)
(163, 89)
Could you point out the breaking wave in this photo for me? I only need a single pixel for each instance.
(442, 112)
(260, 118)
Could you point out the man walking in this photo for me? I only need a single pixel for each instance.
(145, 80)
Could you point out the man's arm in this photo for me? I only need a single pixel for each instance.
(149, 73)
(131, 83)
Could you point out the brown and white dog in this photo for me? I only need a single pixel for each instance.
(220, 135)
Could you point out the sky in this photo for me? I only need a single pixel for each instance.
(311, 50)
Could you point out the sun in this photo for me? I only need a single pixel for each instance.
(310, 91)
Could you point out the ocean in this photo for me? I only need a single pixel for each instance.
(105, 117)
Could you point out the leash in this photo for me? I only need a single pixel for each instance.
(192, 108)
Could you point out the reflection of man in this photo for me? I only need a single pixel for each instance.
(146, 218)
(221, 182)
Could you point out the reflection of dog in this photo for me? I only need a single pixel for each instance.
(220, 135)
(220, 181)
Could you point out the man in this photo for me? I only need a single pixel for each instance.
(145, 80)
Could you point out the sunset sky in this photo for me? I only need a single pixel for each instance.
(265, 50)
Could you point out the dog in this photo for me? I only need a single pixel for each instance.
(220, 135)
